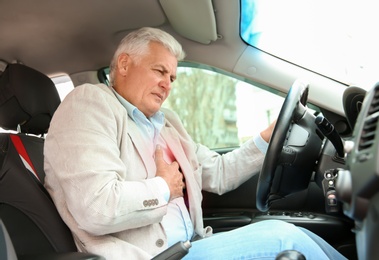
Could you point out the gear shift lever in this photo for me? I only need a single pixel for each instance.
(175, 252)
(290, 255)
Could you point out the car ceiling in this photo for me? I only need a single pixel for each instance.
(79, 37)
(73, 36)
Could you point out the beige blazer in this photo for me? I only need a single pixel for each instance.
(101, 176)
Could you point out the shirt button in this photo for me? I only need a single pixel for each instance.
(159, 243)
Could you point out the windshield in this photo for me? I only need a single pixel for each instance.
(336, 38)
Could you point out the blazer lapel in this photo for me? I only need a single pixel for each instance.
(172, 138)
(142, 148)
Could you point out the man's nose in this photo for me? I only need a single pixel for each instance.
(165, 83)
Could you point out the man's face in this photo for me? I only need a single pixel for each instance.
(146, 82)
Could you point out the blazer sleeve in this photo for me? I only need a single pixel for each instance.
(220, 173)
(223, 173)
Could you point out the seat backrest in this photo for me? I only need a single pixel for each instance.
(28, 100)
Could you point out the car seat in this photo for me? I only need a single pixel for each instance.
(28, 100)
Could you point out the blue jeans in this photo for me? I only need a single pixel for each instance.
(262, 240)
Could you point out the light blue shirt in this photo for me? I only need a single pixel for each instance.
(261, 143)
(177, 222)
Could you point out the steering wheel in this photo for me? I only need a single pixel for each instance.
(292, 152)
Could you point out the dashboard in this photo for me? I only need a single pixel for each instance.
(357, 185)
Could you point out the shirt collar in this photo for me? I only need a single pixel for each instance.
(136, 115)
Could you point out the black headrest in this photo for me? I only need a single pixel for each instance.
(27, 98)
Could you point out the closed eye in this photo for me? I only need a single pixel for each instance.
(163, 72)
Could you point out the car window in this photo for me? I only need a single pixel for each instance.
(63, 84)
(334, 38)
(219, 110)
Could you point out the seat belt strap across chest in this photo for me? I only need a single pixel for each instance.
(17, 142)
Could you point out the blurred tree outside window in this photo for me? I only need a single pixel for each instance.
(220, 111)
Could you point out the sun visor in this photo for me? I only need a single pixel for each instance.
(193, 19)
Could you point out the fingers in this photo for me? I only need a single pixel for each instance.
(159, 161)
(170, 173)
(158, 154)
(266, 134)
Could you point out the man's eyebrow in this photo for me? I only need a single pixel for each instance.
(165, 70)
(161, 67)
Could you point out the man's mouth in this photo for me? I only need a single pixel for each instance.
(160, 96)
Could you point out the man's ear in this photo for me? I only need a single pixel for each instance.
(123, 61)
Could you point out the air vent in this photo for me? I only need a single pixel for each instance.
(370, 125)
(374, 107)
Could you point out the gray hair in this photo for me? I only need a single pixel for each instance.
(137, 42)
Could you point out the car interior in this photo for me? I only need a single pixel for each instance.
(320, 171)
